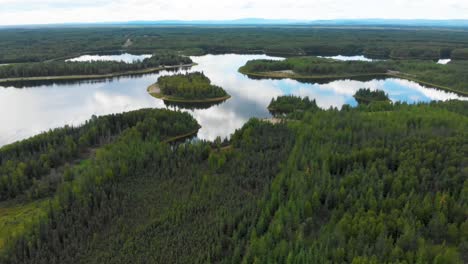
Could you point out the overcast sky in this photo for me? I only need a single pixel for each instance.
(14, 12)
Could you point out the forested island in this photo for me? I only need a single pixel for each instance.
(371, 184)
(67, 70)
(285, 105)
(366, 96)
(451, 77)
(187, 88)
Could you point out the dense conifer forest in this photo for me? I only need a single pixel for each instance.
(378, 183)
(24, 164)
(367, 185)
(27, 45)
(315, 66)
(189, 86)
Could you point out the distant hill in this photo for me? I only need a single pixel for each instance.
(461, 23)
(394, 22)
(243, 21)
(335, 22)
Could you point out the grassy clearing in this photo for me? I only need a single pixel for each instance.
(16, 216)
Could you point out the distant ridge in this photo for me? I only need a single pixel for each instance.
(243, 21)
(461, 23)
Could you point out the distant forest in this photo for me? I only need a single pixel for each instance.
(30, 45)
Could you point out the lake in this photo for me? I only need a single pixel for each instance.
(443, 61)
(348, 58)
(27, 111)
(124, 57)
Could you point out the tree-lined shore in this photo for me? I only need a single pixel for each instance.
(451, 77)
(68, 70)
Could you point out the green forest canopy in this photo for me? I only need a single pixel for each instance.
(189, 86)
(30, 45)
(28, 167)
(288, 104)
(371, 184)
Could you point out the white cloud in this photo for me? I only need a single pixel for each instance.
(59, 11)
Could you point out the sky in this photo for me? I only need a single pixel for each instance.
(18, 12)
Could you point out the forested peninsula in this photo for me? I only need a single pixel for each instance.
(451, 77)
(188, 88)
(68, 70)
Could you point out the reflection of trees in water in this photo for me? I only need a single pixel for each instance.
(191, 106)
(320, 80)
(35, 83)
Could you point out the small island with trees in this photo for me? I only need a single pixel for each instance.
(289, 103)
(366, 96)
(188, 88)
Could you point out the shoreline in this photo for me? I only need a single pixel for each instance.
(186, 135)
(338, 77)
(369, 100)
(154, 91)
(94, 76)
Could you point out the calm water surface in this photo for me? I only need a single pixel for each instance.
(25, 112)
(348, 58)
(125, 57)
(444, 61)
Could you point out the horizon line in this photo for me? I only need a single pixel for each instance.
(268, 21)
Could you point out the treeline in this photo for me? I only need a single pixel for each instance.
(30, 166)
(189, 86)
(315, 66)
(30, 45)
(366, 95)
(66, 68)
(453, 76)
(364, 185)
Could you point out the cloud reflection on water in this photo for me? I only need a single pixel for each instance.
(28, 111)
